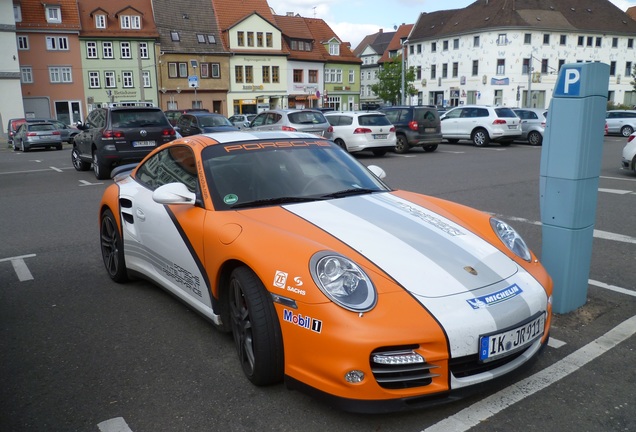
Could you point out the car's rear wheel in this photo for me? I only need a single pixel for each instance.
(379, 152)
(112, 248)
(401, 145)
(341, 144)
(255, 327)
(627, 131)
(101, 170)
(430, 148)
(78, 163)
(535, 138)
(480, 137)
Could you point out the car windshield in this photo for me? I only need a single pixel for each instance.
(271, 172)
(307, 117)
(213, 120)
(41, 127)
(138, 118)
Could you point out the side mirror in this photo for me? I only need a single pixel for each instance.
(377, 171)
(173, 193)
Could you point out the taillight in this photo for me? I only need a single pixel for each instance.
(542, 124)
(392, 129)
(168, 132)
(289, 129)
(31, 134)
(413, 125)
(362, 131)
(631, 138)
(499, 122)
(110, 134)
(57, 133)
(330, 129)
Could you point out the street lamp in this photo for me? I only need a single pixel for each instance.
(402, 95)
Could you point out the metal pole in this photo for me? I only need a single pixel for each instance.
(529, 95)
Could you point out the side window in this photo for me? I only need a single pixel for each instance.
(453, 114)
(481, 112)
(174, 164)
(392, 115)
(259, 120)
(346, 120)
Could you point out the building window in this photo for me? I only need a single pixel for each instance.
(204, 70)
(57, 43)
(23, 42)
(215, 70)
(599, 41)
(145, 78)
(259, 39)
(419, 48)
(59, 74)
(563, 39)
(628, 69)
(561, 63)
(91, 50)
(240, 38)
(445, 45)
(630, 43)
(476, 41)
(200, 38)
(333, 76)
(433, 71)
(334, 49)
(174, 36)
(266, 76)
(544, 66)
(455, 69)
(418, 73)
(107, 50)
(125, 50)
(183, 70)
(615, 42)
(100, 21)
(250, 39)
(546, 39)
(249, 74)
(501, 66)
(269, 40)
(433, 46)
(238, 74)
(527, 38)
(26, 75)
(590, 41)
(143, 50)
(93, 79)
(445, 70)
(109, 79)
(211, 39)
(455, 44)
(352, 76)
(127, 79)
(502, 39)
(313, 76)
(581, 41)
(475, 67)
(53, 14)
(612, 68)
(177, 70)
(525, 68)
(130, 22)
(298, 75)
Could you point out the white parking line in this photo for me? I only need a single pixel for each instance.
(615, 191)
(488, 407)
(20, 267)
(87, 183)
(56, 169)
(117, 424)
(612, 288)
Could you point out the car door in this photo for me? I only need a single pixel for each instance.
(161, 240)
(95, 123)
(450, 123)
(259, 122)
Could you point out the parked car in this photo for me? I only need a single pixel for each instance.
(629, 153)
(115, 135)
(481, 124)
(415, 126)
(195, 123)
(33, 135)
(12, 127)
(242, 121)
(173, 115)
(311, 121)
(532, 124)
(621, 122)
(372, 299)
(357, 131)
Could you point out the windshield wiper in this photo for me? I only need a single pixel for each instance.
(276, 201)
(350, 192)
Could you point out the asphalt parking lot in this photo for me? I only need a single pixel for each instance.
(80, 353)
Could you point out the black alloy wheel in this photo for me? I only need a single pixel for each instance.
(112, 248)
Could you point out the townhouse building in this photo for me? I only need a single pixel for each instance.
(118, 59)
(10, 88)
(498, 52)
(192, 62)
(50, 62)
(370, 50)
(397, 51)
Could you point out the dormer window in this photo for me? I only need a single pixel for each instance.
(130, 22)
(334, 49)
(174, 36)
(53, 13)
(100, 21)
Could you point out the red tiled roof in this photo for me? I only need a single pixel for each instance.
(87, 8)
(323, 33)
(33, 15)
(396, 43)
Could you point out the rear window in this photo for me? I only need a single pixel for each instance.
(505, 112)
(307, 117)
(373, 120)
(426, 115)
(41, 127)
(138, 118)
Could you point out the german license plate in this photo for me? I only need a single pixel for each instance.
(512, 127)
(143, 143)
(430, 130)
(494, 346)
(380, 136)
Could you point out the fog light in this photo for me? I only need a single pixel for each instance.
(354, 376)
(396, 358)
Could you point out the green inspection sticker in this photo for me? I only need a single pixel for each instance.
(230, 199)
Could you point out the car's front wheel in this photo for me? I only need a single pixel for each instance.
(627, 131)
(401, 145)
(255, 327)
(78, 163)
(535, 138)
(481, 138)
(101, 170)
(112, 248)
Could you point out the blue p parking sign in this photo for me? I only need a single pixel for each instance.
(569, 82)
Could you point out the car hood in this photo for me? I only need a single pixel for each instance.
(425, 252)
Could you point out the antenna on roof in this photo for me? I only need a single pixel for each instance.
(314, 11)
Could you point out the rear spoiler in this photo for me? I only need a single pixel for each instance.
(122, 171)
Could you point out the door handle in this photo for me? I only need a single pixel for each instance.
(140, 214)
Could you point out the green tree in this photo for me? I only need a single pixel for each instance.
(389, 86)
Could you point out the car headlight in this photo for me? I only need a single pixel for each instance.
(343, 281)
(511, 238)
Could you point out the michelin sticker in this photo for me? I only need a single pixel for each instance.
(495, 298)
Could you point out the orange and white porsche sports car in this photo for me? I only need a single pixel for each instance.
(375, 299)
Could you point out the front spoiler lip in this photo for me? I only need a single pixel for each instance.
(405, 404)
